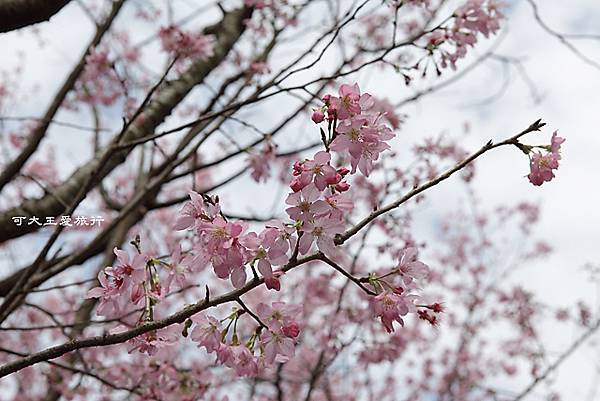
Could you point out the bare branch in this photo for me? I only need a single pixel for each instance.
(227, 32)
(11, 170)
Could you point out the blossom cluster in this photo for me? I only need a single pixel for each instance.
(273, 341)
(542, 165)
(319, 204)
(474, 17)
(184, 44)
(99, 83)
(397, 290)
(226, 245)
(360, 131)
(126, 277)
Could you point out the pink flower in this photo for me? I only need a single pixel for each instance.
(195, 211)
(364, 138)
(259, 252)
(354, 133)
(245, 362)
(153, 341)
(339, 204)
(555, 143)
(278, 347)
(387, 110)
(285, 239)
(409, 267)
(305, 204)
(102, 84)
(390, 307)
(110, 291)
(207, 333)
(348, 102)
(318, 168)
(542, 166)
(186, 44)
(226, 355)
(132, 267)
(178, 268)
(278, 315)
(472, 18)
(115, 281)
(221, 246)
(323, 230)
(318, 116)
(260, 162)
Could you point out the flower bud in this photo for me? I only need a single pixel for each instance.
(342, 187)
(318, 116)
(291, 330)
(295, 185)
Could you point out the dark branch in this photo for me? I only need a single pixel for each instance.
(16, 14)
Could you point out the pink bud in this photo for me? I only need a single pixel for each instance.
(291, 330)
(297, 168)
(342, 187)
(343, 171)
(273, 283)
(318, 116)
(333, 179)
(295, 185)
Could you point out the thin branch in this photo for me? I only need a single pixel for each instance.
(109, 339)
(248, 311)
(559, 361)
(340, 269)
(74, 370)
(341, 238)
(11, 170)
(562, 38)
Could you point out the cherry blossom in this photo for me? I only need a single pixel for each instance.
(207, 333)
(409, 267)
(322, 230)
(186, 44)
(278, 347)
(542, 165)
(278, 315)
(195, 211)
(306, 204)
(317, 168)
(260, 163)
(110, 293)
(390, 307)
(260, 249)
(177, 268)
